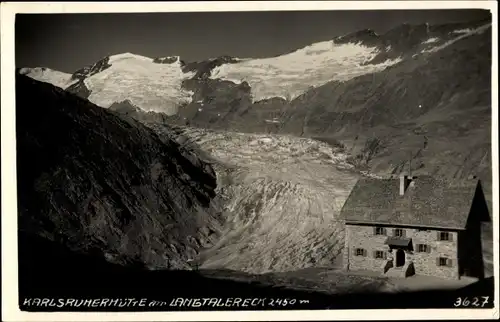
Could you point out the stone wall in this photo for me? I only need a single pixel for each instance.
(425, 263)
(363, 237)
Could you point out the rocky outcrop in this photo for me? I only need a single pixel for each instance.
(203, 69)
(168, 60)
(107, 185)
(406, 39)
(79, 89)
(128, 109)
(88, 71)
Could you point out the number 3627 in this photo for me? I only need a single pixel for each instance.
(480, 301)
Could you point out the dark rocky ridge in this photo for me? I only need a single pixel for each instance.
(203, 69)
(88, 71)
(128, 109)
(107, 185)
(79, 89)
(405, 40)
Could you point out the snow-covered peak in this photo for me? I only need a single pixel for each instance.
(227, 58)
(47, 75)
(292, 74)
(146, 84)
(129, 77)
(124, 56)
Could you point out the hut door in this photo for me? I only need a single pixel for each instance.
(400, 258)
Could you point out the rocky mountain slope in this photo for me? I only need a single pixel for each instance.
(108, 186)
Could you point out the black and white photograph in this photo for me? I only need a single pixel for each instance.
(249, 160)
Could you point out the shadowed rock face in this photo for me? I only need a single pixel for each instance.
(167, 60)
(203, 69)
(108, 185)
(80, 89)
(88, 71)
(405, 40)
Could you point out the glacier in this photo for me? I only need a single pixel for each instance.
(283, 199)
(150, 86)
(290, 75)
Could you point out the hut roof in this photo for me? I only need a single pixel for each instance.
(427, 202)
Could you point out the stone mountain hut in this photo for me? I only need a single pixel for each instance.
(415, 225)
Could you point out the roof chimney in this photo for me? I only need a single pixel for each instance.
(404, 182)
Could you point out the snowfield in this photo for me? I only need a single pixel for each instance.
(463, 34)
(158, 87)
(150, 86)
(431, 40)
(47, 75)
(291, 75)
(283, 197)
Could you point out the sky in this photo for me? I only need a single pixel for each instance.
(68, 42)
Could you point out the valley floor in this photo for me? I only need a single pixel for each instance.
(329, 280)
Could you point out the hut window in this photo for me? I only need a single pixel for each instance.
(380, 231)
(398, 232)
(443, 261)
(444, 235)
(423, 248)
(360, 252)
(379, 254)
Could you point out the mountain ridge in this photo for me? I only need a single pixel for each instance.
(388, 47)
(117, 190)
